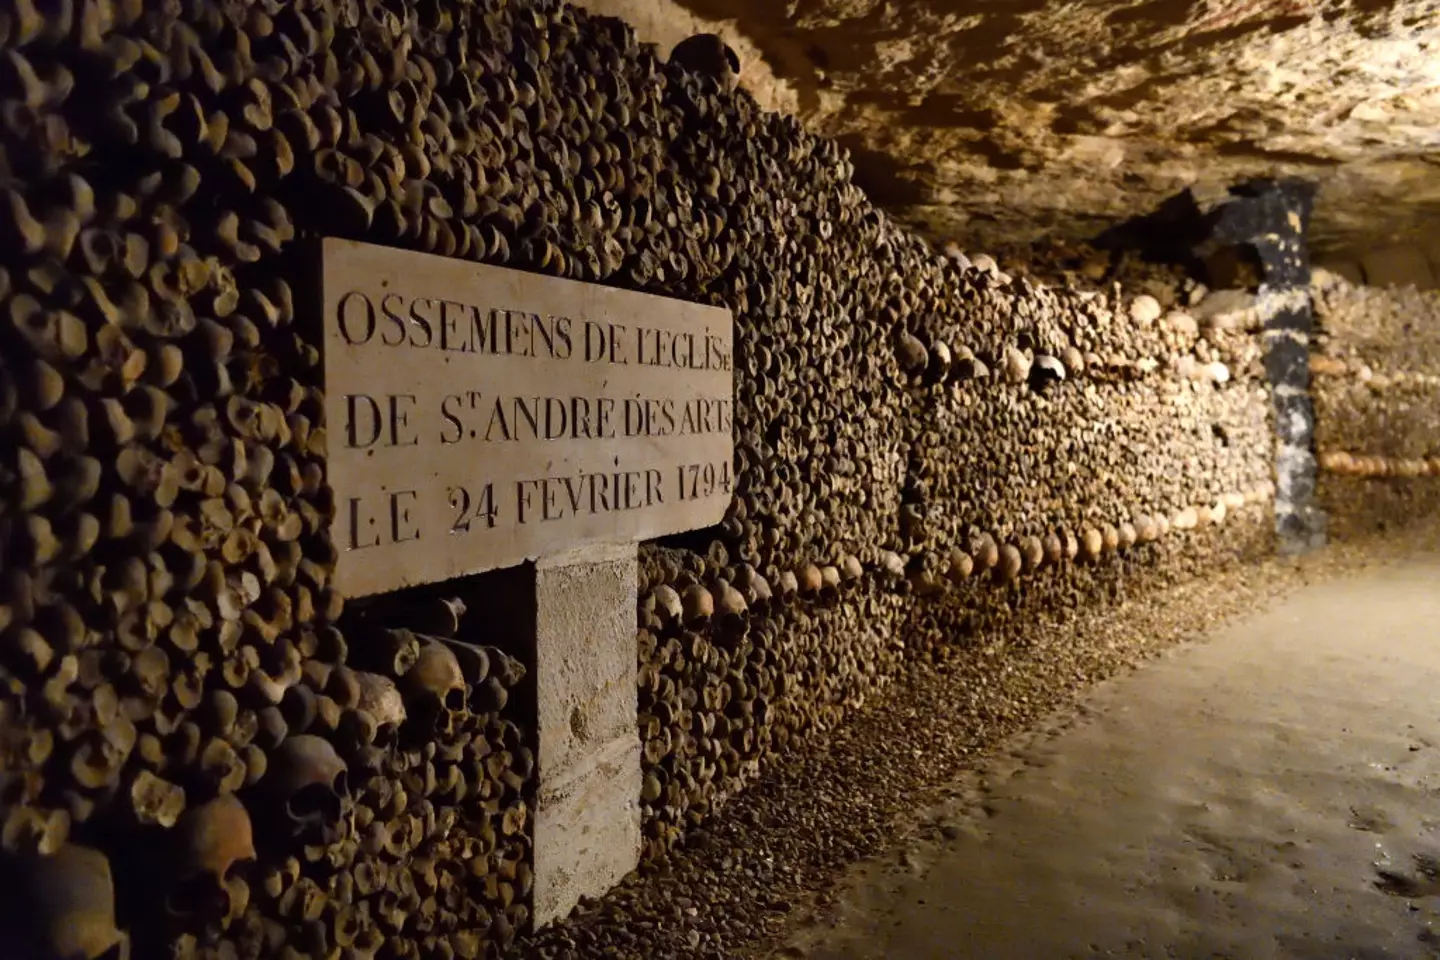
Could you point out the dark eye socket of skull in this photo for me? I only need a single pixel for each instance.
(455, 699)
(194, 895)
(315, 799)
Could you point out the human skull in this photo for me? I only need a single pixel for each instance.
(211, 839)
(72, 894)
(698, 604)
(435, 687)
(214, 836)
(309, 784)
(667, 603)
(380, 698)
(708, 55)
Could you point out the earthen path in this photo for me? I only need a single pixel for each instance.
(1274, 792)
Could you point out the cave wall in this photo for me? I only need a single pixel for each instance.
(1393, 265)
(927, 450)
(1016, 121)
(1376, 362)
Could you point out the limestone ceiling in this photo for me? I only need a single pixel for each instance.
(994, 121)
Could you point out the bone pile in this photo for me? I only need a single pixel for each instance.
(927, 447)
(1376, 370)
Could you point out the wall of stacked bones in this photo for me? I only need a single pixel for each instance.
(1376, 380)
(203, 746)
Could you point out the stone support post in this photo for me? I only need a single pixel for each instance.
(1271, 216)
(587, 819)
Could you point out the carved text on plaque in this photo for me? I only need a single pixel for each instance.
(478, 417)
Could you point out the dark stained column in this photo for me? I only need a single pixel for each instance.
(1271, 216)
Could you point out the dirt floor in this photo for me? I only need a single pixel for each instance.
(1271, 792)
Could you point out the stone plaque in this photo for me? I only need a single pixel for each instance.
(479, 417)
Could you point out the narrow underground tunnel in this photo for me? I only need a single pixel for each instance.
(680, 479)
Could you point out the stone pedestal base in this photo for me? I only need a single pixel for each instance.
(587, 830)
(587, 817)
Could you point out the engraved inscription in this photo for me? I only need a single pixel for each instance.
(479, 417)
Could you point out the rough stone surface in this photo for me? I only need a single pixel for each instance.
(1009, 120)
(1270, 218)
(1398, 266)
(587, 829)
(587, 816)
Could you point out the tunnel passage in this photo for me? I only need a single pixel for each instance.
(929, 451)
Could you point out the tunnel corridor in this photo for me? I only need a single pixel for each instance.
(1269, 792)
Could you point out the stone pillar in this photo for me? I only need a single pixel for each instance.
(1271, 216)
(587, 817)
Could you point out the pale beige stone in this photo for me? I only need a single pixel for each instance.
(587, 816)
(480, 417)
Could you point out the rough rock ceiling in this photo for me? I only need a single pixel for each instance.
(1001, 121)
